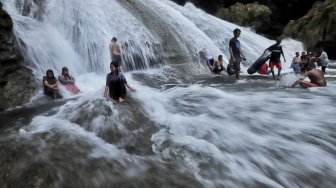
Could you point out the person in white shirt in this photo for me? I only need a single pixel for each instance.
(209, 58)
(323, 59)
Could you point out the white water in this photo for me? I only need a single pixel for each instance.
(225, 135)
(221, 133)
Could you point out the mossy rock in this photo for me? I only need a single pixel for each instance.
(17, 84)
(255, 15)
(317, 27)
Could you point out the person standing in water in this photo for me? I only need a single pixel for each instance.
(316, 77)
(303, 60)
(276, 51)
(296, 63)
(116, 84)
(323, 59)
(235, 52)
(115, 52)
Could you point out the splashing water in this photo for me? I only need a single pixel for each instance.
(183, 127)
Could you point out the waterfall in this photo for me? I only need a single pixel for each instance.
(77, 34)
(183, 127)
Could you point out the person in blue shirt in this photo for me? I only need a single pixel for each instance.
(235, 52)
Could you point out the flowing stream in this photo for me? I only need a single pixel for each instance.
(183, 127)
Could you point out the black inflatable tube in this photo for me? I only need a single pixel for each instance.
(259, 62)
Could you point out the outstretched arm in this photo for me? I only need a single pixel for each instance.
(130, 87)
(267, 49)
(106, 92)
(283, 54)
(298, 81)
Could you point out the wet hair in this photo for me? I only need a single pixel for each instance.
(278, 40)
(297, 53)
(50, 71)
(220, 57)
(310, 65)
(65, 69)
(114, 39)
(236, 31)
(115, 64)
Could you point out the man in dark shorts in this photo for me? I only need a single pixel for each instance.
(276, 51)
(235, 52)
(115, 51)
(316, 77)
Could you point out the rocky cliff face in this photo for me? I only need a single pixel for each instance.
(317, 28)
(254, 14)
(16, 81)
(309, 21)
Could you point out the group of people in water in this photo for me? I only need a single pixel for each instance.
(51, 85)
(301, 64)
(217, 65)
(115, 87)
(304, 64)
(116, 83)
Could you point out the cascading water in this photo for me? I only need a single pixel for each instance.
(183, 127)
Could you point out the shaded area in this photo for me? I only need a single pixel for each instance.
(17, 83)
(282, 11)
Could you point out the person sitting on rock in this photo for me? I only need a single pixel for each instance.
(68, 81)
(316, 77)
(50, 85)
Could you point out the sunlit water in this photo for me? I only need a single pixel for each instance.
(179, 129)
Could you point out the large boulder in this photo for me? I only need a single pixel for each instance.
(254, 15)
(17, 83)
(316, 28)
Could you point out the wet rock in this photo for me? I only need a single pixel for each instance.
(16, 81)
(34, 8)
(316, 28)
(254, 14)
